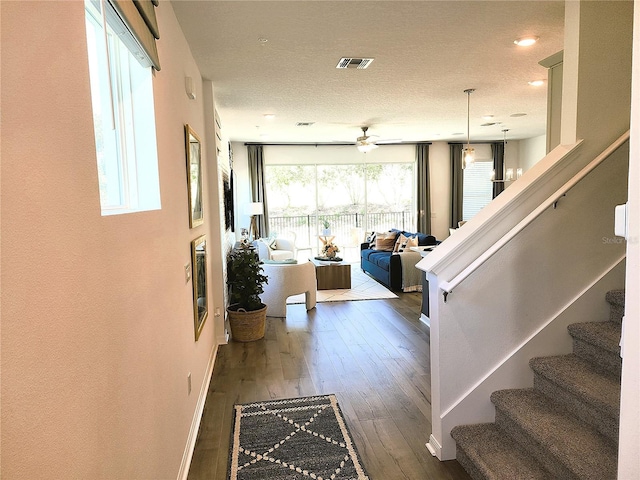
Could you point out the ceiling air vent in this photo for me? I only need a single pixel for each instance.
(359, 63)
(304, 124)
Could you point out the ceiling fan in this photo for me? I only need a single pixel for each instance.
(366, 143)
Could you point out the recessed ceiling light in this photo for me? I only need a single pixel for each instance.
(517, 115)
(536, 83)
(487, 117)
(526, 41)
(269, 116)
(263, 40)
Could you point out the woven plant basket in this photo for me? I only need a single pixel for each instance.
(247, 326)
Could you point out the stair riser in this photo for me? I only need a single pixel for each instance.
(616, 313)
(609, 361)
(468, 465)
(542, 455)
(602, 420)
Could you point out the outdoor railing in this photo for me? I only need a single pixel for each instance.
(348, 228)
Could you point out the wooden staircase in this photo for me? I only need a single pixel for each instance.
(566, 426)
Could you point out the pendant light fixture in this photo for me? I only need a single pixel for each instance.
(468, 153)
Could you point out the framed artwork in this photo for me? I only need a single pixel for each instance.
(194, 176)
(199, 282)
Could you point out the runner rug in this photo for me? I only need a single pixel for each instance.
(298, 438)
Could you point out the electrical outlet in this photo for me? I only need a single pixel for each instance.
(187, 272)
(189, 383)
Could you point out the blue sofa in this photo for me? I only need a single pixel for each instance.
(386, 267)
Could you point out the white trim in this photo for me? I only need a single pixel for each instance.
(197, 417)
(426, 320)
(434, 447)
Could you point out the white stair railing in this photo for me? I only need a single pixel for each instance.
(448, 286)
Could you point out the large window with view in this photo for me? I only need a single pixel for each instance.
(477, 188)
(123, 117)
(349, 199)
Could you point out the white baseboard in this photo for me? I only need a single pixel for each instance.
(197, 417)
(424, 319)
(434, 447)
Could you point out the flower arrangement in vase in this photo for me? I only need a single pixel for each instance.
(329, 250)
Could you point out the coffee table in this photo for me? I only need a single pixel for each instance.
(332, 275)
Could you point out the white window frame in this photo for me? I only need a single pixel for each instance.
(124, 120)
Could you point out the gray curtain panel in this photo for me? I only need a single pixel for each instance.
(258, 193)
(424, 192)
(497, 148)
(457, 176)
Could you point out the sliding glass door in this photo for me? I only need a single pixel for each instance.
(350, 198)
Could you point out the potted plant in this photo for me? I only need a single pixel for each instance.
(245, 280)
(326, 230)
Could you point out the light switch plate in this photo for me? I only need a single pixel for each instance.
(621, 224)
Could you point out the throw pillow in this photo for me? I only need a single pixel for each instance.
(369, 238)
(385, 241)
(405, 243)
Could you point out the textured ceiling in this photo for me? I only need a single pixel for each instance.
(426, 54)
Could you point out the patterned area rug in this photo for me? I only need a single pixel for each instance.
(363, 287)
(293, 439)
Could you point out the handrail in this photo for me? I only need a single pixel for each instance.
(447, 287)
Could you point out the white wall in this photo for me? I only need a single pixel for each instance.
(530, 151)
(97, 318)
(439, 165)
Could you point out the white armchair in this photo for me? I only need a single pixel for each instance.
(278, 249)
(286, 280)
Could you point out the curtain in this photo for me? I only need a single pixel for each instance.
(457, 177)
(258, 192)
(497, 148)
(424, 192)
(135, 23)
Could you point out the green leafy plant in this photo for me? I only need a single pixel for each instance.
(325, 223)
(245, 279)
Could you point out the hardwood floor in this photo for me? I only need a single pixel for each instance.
(373, 354)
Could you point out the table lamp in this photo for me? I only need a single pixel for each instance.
(254, 209)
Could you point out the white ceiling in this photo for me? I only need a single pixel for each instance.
(426, 54)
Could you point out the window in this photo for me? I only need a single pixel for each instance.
(352, 198)
(123, 118)
(477, 188)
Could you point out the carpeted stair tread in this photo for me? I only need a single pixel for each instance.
(577, 376)
(605, 335)
(615, 297)
(575, 445)
(495, 456)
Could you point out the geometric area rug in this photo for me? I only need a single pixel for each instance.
(293, 439)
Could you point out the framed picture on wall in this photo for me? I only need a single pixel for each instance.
(199, 281)
(194, 176)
